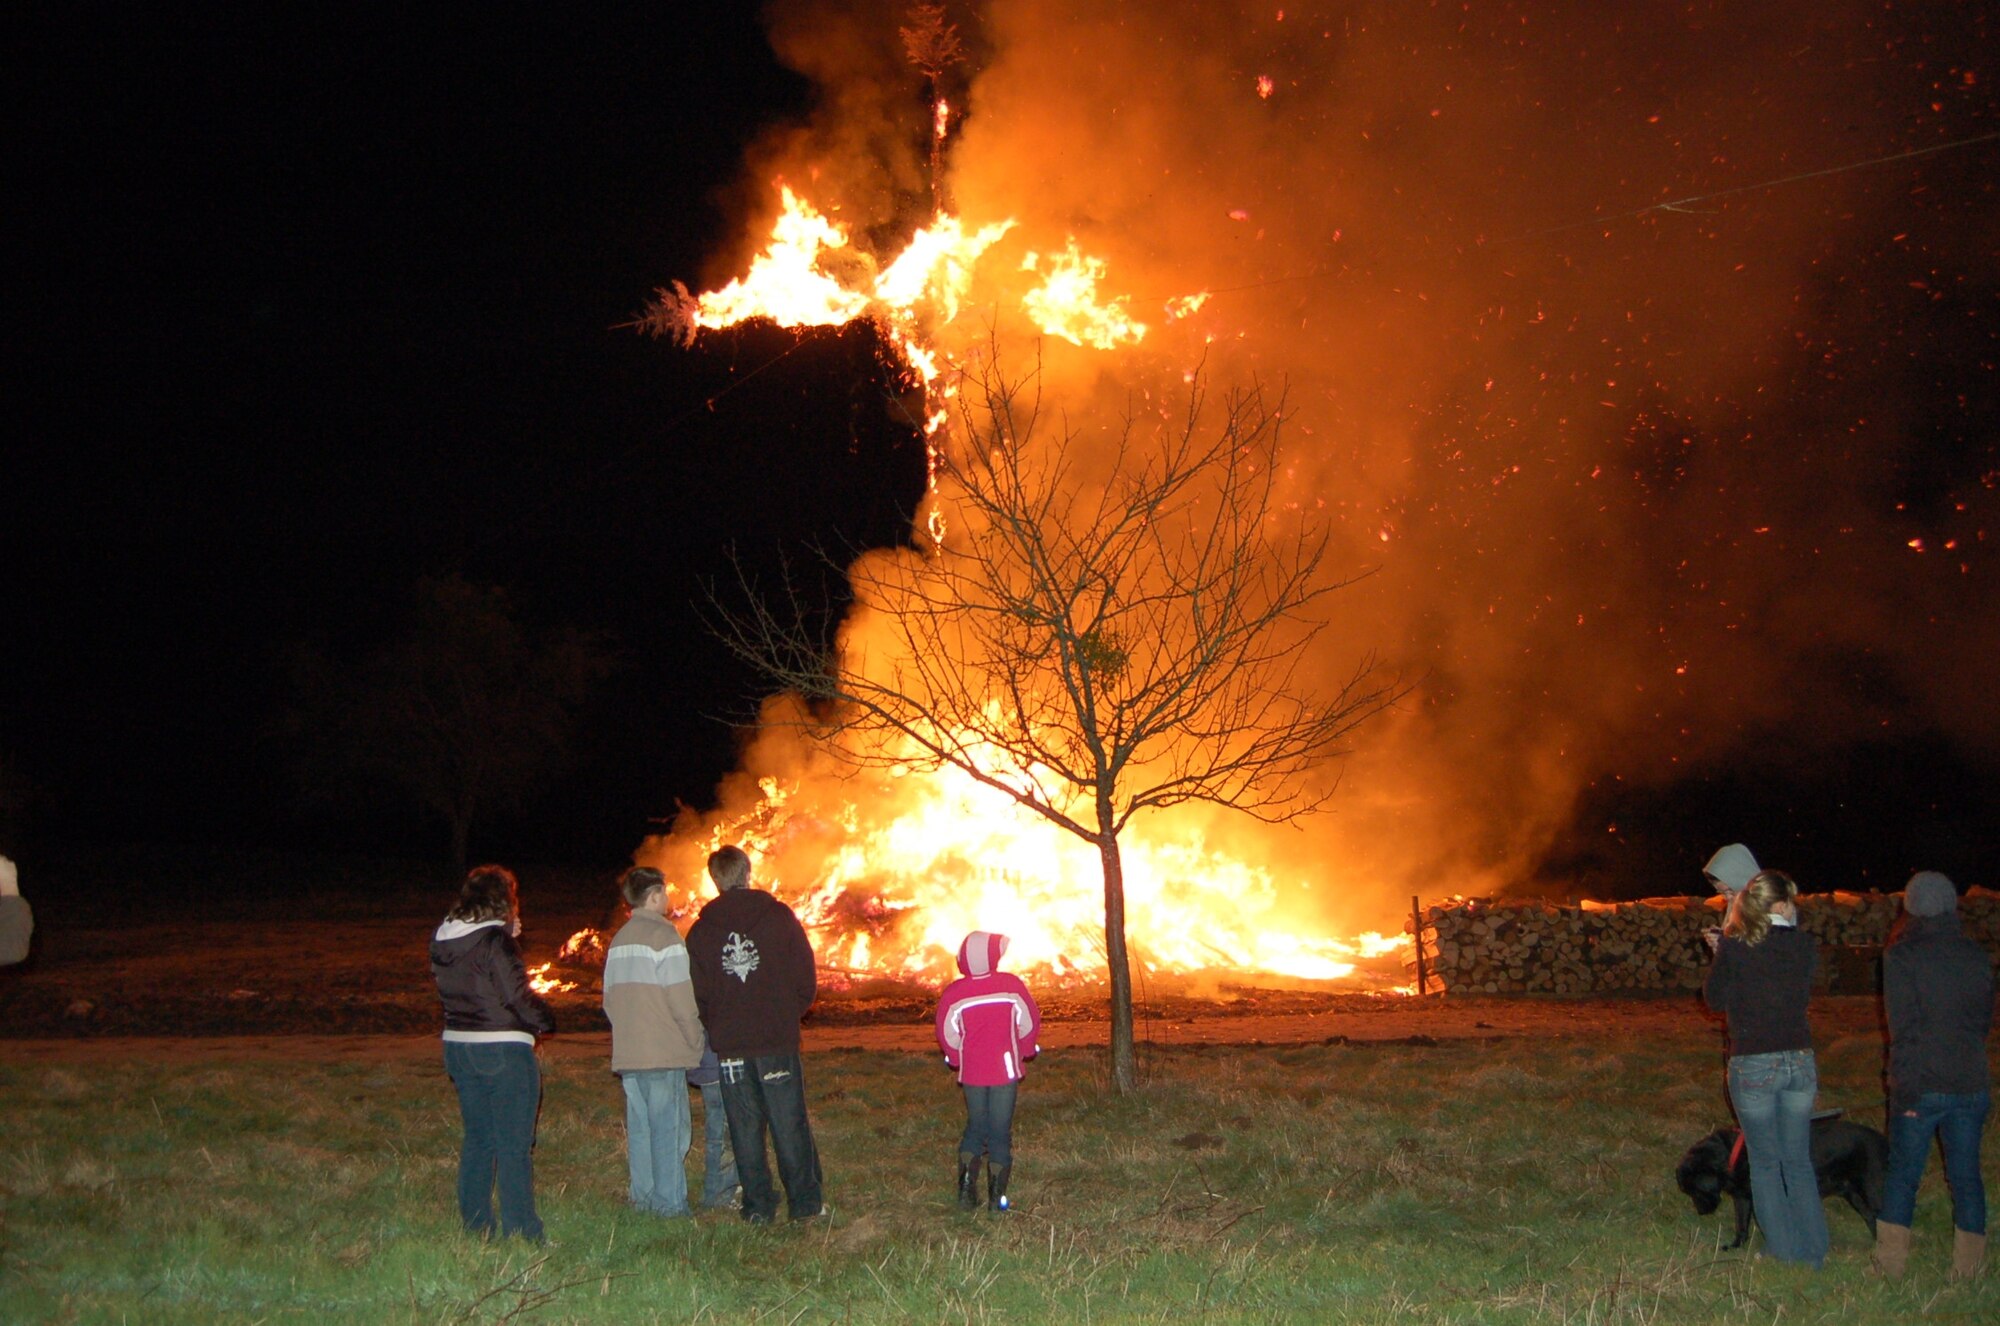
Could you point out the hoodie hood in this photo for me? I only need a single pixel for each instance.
(1731, 868)
(448, 943)
(980, 954)
(1930, 894)
(746, 909)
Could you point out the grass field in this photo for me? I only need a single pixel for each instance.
(1492, 1181)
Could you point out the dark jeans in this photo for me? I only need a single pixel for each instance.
(1956, 1120)
(499, 1094)
(989, 1123)
(768, 1093)
(718, 1164)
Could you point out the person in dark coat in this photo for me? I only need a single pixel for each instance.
(1937, 990)
(754, 978)
(491, 1022)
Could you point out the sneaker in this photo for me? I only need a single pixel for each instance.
(825, 1212)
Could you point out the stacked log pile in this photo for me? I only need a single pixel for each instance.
(1523, 946)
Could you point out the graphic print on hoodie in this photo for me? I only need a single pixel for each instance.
(986, 1020)
(753, 973)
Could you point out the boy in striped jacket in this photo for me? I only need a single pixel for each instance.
(986, 1025)
(656, 1036)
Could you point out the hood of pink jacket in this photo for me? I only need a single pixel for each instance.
(980, 954)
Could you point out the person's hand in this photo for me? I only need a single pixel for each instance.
(10, 883)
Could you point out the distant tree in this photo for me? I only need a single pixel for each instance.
(464, 713)
(1095, 636)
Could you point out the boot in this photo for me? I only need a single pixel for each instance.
(968, 1182)
(1892, 1249)
(996, 1189)
(1968, 1254)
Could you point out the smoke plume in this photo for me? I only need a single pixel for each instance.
(1651, 396)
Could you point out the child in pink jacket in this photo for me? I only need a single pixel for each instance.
(986, 1025)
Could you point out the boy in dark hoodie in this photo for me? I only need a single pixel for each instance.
(753, 980)
(986, 1025)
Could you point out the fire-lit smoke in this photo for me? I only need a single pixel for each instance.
(1634, 488)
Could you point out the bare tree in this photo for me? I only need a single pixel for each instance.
(1095, 636)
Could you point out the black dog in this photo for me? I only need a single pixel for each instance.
(1849, 1158)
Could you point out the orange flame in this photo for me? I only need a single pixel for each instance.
(543, 980)
(890, 875)
(890, 871)
(1066, 303)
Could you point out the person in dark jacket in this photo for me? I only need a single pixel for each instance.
(754, 979)
(1761, 980)
(1937, 989)
(491, 1022)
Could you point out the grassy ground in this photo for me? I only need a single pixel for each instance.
(1514, 1180)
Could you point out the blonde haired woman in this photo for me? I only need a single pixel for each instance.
(1761, 980)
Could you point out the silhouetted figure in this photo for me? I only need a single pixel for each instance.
(1937, 990)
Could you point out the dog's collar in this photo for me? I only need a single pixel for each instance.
(1736, 1151)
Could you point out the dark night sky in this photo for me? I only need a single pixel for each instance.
(310, 303)
(315, 305)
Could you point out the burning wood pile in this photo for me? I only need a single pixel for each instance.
(1529, 946)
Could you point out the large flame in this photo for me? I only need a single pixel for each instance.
(890, 875)
(890, 869)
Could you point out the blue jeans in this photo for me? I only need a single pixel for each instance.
(1773, 1095)
(656, 1139)
(1956, 1120)
(989, 1124)
(499, 1094)
(718, 1162)
(768, 1093)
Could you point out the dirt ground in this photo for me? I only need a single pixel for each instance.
(346, 987)
(1384, 1020)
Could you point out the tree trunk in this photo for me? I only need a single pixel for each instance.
(1123, 1077)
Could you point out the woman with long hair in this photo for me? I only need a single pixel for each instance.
(491, 1022)
(1761, 980)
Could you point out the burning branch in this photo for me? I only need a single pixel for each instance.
(672, 315)
(1099, 636)
(932, 45)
